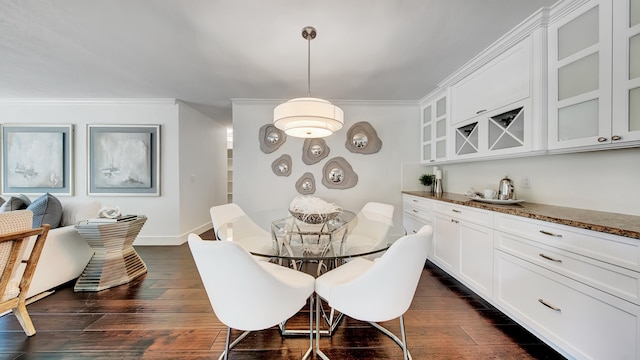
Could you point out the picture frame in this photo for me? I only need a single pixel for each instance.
(123, 160)
(37, 159)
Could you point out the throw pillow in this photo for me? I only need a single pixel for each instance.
(78, 210)
(18, 202)
(46, 209)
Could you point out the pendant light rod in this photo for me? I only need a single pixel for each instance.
(309, 33)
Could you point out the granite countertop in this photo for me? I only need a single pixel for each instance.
(605, 222)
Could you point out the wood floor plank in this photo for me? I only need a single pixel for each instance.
(165, 314)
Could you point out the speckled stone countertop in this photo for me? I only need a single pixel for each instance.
(606, 222)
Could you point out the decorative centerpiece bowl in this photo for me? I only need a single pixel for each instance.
(314, 218)
(313, 210)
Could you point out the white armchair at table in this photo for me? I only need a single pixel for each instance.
(369, 228)
(247, 294)
(245, 232)
(376, 291)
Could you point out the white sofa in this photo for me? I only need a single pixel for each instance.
(65, 253)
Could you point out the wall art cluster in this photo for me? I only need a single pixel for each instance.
(337, 173)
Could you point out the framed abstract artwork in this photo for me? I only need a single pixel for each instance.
(37, 159)
(123, 160)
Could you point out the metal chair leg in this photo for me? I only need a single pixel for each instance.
(228, 346)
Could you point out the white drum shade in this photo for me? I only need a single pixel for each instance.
(308, 117)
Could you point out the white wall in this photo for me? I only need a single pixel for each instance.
(164, 225)
(202, 169)
(257, 189)
(600, 180)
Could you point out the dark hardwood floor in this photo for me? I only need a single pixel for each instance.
(165, 314)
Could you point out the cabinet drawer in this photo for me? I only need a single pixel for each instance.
(477, 216)
(612, 249)
(417, 202)
(582, 321)
(412, 224)
(608, 278)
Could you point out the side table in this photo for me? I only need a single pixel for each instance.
(115, 261)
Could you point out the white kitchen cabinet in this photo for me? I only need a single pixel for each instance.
(502, 81)
(417, 212)
(592, 79)
(434, 128)
(580, 321)
(463, 245)
(626, 70)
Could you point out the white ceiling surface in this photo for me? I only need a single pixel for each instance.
(207, 52)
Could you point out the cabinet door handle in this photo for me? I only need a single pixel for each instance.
(414, 200)
(549, 258)
(602, 139)
(554, 308)
(456, 211)
(616, 137)
(480, 111)
(415, 211)
(550, 234)
(455, 221)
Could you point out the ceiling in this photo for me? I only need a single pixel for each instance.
(207, 52)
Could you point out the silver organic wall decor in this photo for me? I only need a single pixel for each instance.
(338, 174)
(282, 165)
(271, 138)
(306, 185)
(314, 150)
(362, 138)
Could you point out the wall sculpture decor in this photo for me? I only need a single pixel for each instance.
(338, 174)
(282, 165)
(314, 150)
(306, 185)
(271, 138)
(362, 138)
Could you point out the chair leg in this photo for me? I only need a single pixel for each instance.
(307, 355)
(319, 352)
(404, 339)
(24, 319)
(402, 343)
(228, 346)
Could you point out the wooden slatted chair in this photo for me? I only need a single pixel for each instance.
(17, 263)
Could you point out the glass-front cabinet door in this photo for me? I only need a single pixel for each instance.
(626, 71)
(434, 130)
(580, 77)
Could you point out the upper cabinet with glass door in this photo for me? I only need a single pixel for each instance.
(591, 81)
(434, 129)
(626, 71)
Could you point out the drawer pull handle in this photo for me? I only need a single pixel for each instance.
(549, 305)
(454, 221)
(549, 258)
(616, 137)
(415, 211)
(550, 234)
(480, 111)
(456, 211)
(414, 200)
(602, 139)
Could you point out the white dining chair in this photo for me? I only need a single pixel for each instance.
(376, 291)
(246, 294)
(245, 231)
(369, 228)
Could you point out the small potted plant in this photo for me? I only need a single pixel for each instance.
(427, 181)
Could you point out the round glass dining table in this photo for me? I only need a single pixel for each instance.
(346, 236)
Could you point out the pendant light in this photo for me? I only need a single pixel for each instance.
(308, 117)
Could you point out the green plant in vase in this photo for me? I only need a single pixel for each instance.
(427, 181)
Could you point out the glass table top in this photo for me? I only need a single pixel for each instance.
(346, 236)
